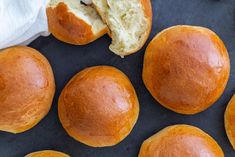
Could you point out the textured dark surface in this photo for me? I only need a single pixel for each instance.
(67, 60)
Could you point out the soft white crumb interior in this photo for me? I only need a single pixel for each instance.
(127, 21)
(87, 1)
(84, 12)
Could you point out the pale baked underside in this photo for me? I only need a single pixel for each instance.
(127, 22)
(85, 12)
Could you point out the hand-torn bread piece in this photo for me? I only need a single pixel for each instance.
(74, 22)
(129, 22)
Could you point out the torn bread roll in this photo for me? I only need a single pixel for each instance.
(129, 23)
(74, 21)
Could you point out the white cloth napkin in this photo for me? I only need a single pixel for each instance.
(22, 21)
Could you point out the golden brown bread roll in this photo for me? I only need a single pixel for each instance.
(229, 121)
(181, 141)
(129, 22)
(26, 88)
(73, 22)
(98, 106)
(47, 153)
(186, 68)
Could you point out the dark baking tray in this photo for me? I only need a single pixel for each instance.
(67, 60)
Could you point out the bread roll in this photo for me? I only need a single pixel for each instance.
(181, 141)
(47, 153)
(129, 22)
(98, 106)
(26, 88)
(73, 22)
(229, 122)
(186, 68)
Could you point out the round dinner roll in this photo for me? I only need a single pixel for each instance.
(99, 106)
(229, 122)
(181, 141)
(186, 68)
(27, 88)
(74, 22)
(47, 153)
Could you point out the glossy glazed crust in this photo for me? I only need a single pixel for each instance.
(186, 68)
(69, 28)
(229, 121)
(26, 88)
(147, 7)
(98, 106)
(180, 141)
(47, 153)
